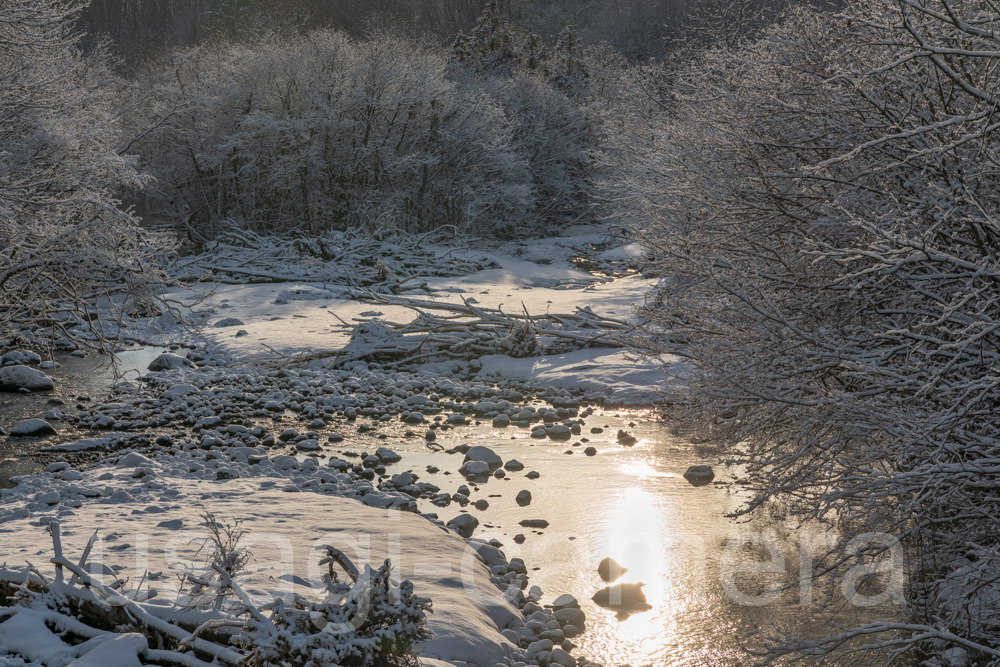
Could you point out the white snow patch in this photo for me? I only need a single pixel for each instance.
(612, 372)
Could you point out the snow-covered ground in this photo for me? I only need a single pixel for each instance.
(152, 522)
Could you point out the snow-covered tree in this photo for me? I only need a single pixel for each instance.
(64, 241)
(493, 45)
(825, 204)
(568, 70)
(319, 132)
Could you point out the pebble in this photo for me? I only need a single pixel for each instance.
(523, 498)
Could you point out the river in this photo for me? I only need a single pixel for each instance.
(631, 503)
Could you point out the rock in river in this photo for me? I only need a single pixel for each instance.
(465, 524)
(15, 378)
(168, 361)
(474, 468)
(560, 432)
(699, 475)
(32, 427)
(626, 439)
(610, 569)
(484, 454)
(624, 596)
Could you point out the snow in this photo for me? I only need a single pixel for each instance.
(615, 373)
(26, 633)
(80, 445)
(139, 530)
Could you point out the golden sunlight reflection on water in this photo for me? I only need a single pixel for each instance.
(633, 504)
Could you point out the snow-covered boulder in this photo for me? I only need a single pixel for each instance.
(14, 378)
(228, 322)
(133, 460)
(167, 361)
(32, 427)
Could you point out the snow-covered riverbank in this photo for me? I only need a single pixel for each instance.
(225, 433)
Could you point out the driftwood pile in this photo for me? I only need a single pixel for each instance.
(467, 331)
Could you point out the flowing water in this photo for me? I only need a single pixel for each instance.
(630, 503)
(88, 377)
(633, 504)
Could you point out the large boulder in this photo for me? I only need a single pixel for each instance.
(484, 454)
(15, 378)
(168, 361)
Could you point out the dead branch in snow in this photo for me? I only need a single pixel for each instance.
(470, 331)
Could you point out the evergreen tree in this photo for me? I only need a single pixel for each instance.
(568, 69)
(492, 46)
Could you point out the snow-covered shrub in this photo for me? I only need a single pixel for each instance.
(373, 621)
(322, 132)
(826, 204)
(64, 242)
